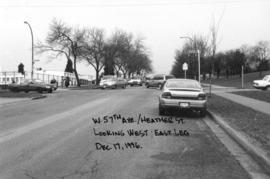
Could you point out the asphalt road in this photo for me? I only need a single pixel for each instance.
(56, 137)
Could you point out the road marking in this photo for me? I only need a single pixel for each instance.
(8, 135)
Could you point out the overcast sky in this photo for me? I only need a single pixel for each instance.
(161, 22)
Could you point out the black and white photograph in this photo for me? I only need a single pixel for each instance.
(135, 89)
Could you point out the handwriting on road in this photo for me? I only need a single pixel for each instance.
(133, 128)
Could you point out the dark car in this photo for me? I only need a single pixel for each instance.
(158, 80)
(31, 85)
(54, 83)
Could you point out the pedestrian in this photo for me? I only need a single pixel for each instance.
(67, 81)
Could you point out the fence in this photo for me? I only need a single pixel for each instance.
(9, 77)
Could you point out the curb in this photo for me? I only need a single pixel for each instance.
(39, 97)
(22, 101)
(14, 102)
(256, 153)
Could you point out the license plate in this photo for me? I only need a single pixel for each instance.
(184, 105)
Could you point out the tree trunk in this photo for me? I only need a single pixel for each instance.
(227, 73)
(97, 77)
(260, 73)
(76, 73)
(77, 77)
(218, 73)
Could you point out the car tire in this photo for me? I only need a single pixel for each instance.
(124, 86)
(26, 91)
(161, 110)
(50, 91)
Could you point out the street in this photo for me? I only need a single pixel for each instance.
(88, 134)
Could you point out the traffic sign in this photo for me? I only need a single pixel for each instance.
(185, 66)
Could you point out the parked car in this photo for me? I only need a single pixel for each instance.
(135, 81)
(31, 85)
(158, 80)
(263, 84)
(182, 94)
(112, 83)
(148, 79)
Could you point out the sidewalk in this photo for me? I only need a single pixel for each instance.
(253, 137)
(255, 104)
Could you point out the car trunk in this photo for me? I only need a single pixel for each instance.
(184, 93)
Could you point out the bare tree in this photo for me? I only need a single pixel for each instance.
(213, 45)
(130, 54)
(261, 52)
(123, 56)
(93, 51)
(139, 58)
(198, 42)
(63, 40)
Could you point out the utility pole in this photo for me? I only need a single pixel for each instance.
(199, 66)
(32, 70)
(242, 74)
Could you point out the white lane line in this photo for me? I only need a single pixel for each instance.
(8, 135)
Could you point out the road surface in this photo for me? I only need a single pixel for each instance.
(57, 138)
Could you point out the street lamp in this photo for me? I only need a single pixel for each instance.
(199, 62)
(32, 72)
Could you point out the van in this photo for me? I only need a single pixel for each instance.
(158, 80)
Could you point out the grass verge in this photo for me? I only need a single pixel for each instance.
(259, 95)
(236, 80)
(9, 94)
(254, 124)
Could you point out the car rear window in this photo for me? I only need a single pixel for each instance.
(183, 84)
(169, 77)
(158, 78)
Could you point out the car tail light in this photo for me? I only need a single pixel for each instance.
(201, 96)
(166, 95)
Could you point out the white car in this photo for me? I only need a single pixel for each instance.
(263, 84)
(112, 82)
(135, 81)
(182, 94)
